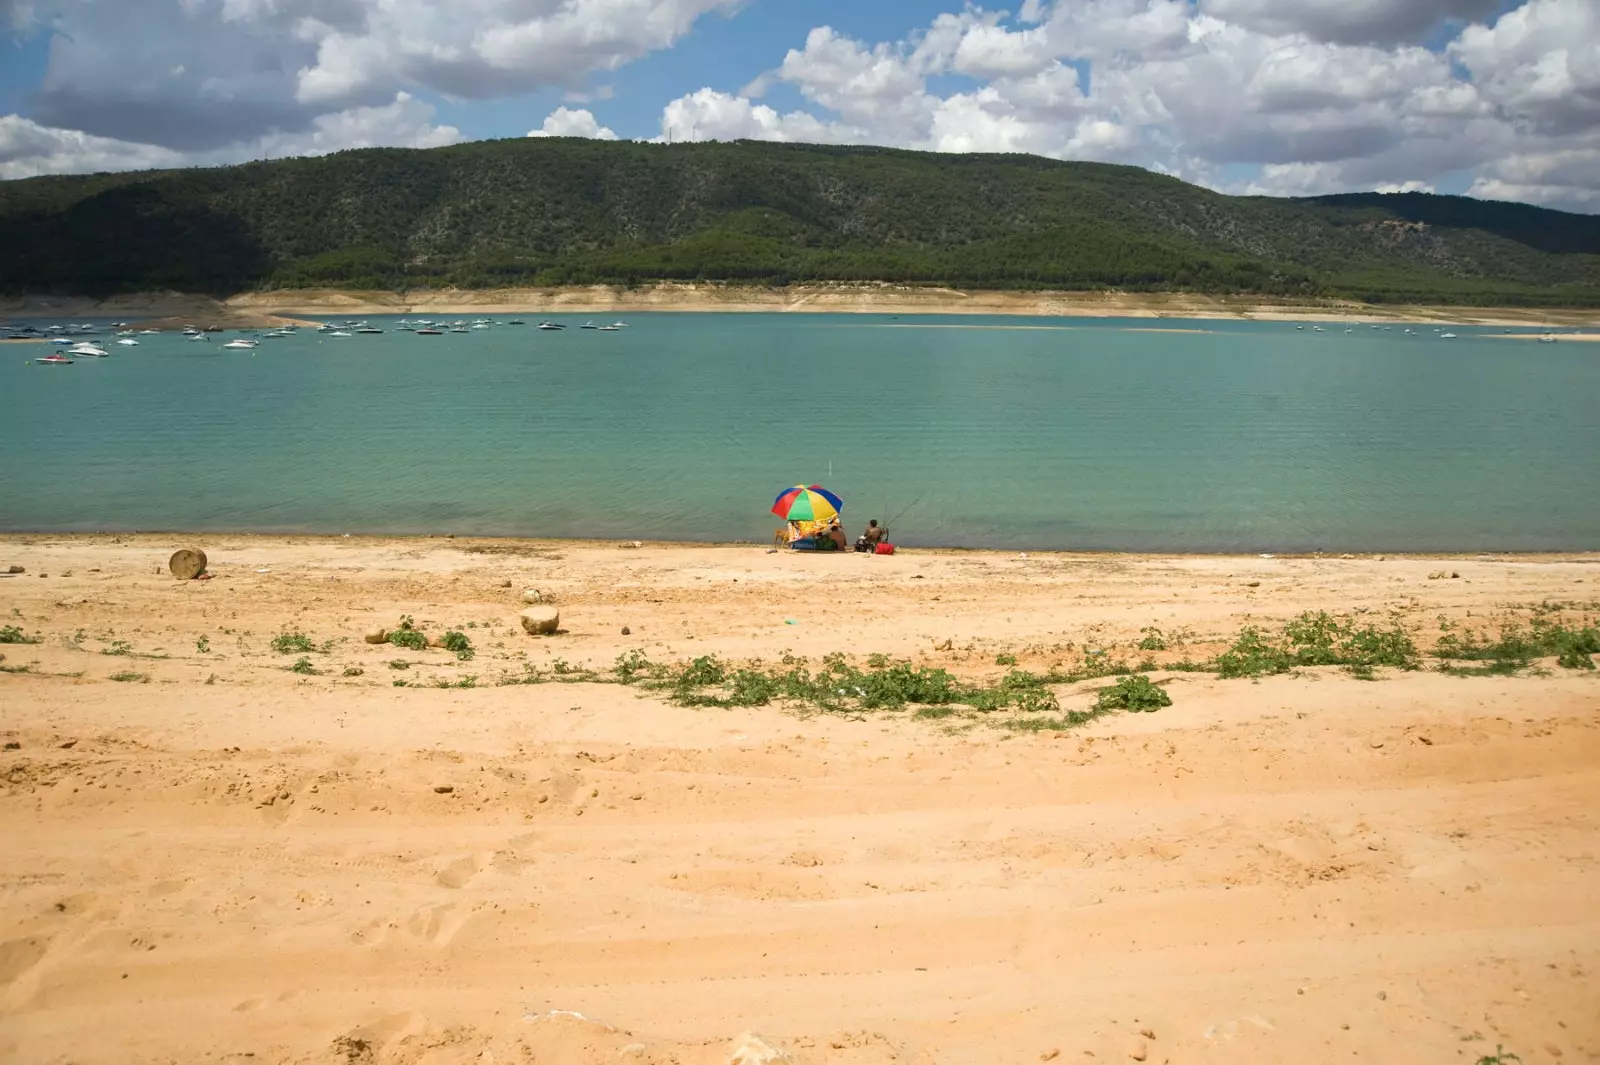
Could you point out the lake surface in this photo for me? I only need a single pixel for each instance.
(1079, 434)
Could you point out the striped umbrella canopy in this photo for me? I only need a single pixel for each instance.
(801, 503)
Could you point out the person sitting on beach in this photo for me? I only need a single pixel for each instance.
(871, 537)
(834, 534)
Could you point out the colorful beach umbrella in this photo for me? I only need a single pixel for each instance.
(801, 503)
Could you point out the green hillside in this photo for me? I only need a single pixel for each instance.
(564, 211)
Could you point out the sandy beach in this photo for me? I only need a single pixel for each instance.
(263, 309)
(215, 858)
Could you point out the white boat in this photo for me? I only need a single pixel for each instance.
(149, 332)
(1548, 338)
(481, 325)
(611, 329)
(588, 325)
(241, 345)
(1447, 336)
(339, 333)
(551, 325)
(128, 342)
(619, 324)
(369, 329)
(89, 350)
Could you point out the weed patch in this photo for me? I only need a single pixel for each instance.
(408, 636)
(288, 643)
(304, 667)
(1317, 639)
(1135, 694)
(458, 643)
(13, 634)
(128, 676)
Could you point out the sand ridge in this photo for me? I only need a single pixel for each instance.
(260, 309)
(233, 859)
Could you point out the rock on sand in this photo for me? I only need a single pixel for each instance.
(751, 1049)
(539, 620)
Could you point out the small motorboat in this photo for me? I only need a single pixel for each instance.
(128, 342)
(611, 329)
(1447, 336)
(551, 325)
(619, 324)
(515, 321)
(241, 345)
(481, 325)
(430, 332)
(55, 358)
(588, 325)
(368, 329)
(88, 350)
(340, 333)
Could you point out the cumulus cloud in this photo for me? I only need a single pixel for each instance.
(28, 149)
(1348, 21)
(565, 122)
(197, 75)
(1315, 95)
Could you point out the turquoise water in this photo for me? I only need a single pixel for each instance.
(1085, 434)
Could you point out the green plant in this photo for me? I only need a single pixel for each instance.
(464, 682)
(631, 665)
(303, 666)
(1152, 639)
(12, 634)
(458, 642)
(16, 669)
(352, 671)
(1135, 694)
(203, 645)
(408, 636)
(1003, 660)
(1501, 1056)
(1316, 639)
(127, 676)
(399, 663)
(119, 647)
(288, 643)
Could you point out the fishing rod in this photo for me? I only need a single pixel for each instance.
(903, 510)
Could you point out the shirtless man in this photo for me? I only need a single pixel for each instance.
(871, 537)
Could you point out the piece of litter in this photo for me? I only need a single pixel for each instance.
(789, 621)
(263, 571)
(1269, 556)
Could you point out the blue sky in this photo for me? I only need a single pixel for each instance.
(1497, 98)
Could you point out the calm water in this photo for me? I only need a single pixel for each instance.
(1089, 435)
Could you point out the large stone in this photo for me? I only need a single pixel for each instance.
(751, 1049)
(187, 563)
(540, 620)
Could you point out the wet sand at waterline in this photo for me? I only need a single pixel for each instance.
(218, 859)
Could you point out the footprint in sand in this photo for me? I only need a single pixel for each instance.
(460, 872)
(18, 956)
(437, 925)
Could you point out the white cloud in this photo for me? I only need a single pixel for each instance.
(1348, 21)
(1540, 63)
(1316, 95)
(200, 74)
(709, 115)
(565, 122)
(28, 149)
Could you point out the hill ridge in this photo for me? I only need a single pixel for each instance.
(564, 211)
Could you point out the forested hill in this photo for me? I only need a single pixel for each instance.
(563, 211)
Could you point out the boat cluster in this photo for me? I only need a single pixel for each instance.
(430, 328)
